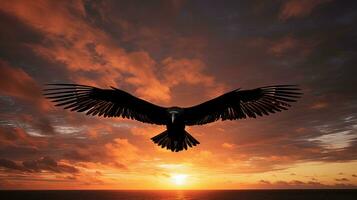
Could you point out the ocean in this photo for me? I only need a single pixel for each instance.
(325, 194)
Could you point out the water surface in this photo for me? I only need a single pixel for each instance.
(179, 195)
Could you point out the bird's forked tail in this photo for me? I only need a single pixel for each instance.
(175, 143)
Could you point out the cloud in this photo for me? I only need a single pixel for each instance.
(228, 145)
(92, 54)
(190, 72)
(12, 134)
(337, 140)
(17, 83)
(297, 184)
(122, 151)
(291, 45)
(37, 166)
(82, 47)
(106, 150)
(264, 182)
(48, 164)
(147, 131)
(16, 143)
(319, 105)
(283, 45)
(341, 179)
(9, 164)
(298, 8)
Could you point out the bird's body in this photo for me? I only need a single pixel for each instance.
(175, 137)
(237, 104)
(176, 124)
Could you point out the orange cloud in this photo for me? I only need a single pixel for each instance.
(283, 45)
(122, 151)
(82, 47)
(17, 138)
(290, 44)
(187, 71)
(298, 8)
(191, 72)
(148, 130)
(142, 69)
(319, 105)
(228, 145)
(15, 82)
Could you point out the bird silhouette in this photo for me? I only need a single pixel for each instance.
(113, 102)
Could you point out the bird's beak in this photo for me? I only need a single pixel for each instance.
(172, 117)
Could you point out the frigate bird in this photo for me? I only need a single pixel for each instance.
(113, 102)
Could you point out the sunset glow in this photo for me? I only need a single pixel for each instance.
(179, 179)
(178, 53)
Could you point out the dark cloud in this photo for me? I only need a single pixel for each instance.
(9, 164)
(36, 166)
(48, 164)
(264, 182)
(297, 184)
(16, 82)
(28, 100)
(297, 9)
(342, 179)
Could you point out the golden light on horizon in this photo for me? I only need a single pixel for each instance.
(179, 179)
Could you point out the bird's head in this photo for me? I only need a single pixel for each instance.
(174, 112)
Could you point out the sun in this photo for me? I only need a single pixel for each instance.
(179, 179)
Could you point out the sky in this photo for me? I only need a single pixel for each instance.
(178, 53)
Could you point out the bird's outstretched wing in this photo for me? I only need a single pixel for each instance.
(240, 104)
(105, 102)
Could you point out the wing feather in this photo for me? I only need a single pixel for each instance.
(240, 104)
(105, 102)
